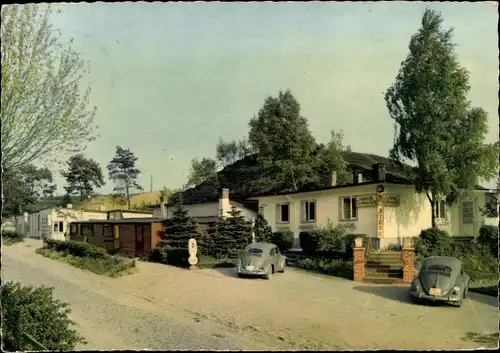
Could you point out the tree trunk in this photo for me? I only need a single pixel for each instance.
(128, 196)
(433, 208)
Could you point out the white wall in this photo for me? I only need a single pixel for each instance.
(198, 210)
(327, 210)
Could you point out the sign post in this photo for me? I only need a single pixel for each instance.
(193, 250)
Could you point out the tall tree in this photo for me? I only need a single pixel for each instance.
(123, 172)
(262, 230)
(437, 127)
(43, 110)
(332, 158)
(201, 170)
(231, 234)
(83, 175)
(231, 151)
(283, 141)
(24, 187)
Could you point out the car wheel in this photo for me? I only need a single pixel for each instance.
(458, 303)
(269, 273)
(283, 268)
(240, 275)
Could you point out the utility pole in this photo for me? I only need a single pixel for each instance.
(151, 184)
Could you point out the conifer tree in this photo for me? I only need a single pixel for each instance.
(262, 230)
(231, 234)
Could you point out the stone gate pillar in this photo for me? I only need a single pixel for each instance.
(359, 261)
(408, 254)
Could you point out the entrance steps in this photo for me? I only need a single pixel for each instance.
(384, 267)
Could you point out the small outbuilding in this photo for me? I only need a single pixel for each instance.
(134, 236)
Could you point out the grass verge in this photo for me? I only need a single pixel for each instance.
(10, 238)
(485, 287)
(111, 266)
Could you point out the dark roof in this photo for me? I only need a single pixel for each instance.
(122, 221)
(131, 211)
(304, 190)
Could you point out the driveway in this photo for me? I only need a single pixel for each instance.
(295, 310)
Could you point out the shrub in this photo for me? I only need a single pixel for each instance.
(35, 311)
(12, 237)
(165, 254)
(283, 240)
(334, 267)
(488, 236)
(332, 238)
(433, 242)
(77, 248)
(309, 242)
(262, 230)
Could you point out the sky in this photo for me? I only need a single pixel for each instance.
(169, 79)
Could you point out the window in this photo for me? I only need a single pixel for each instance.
(273, 252)
(283, 213)
(107, 231)
(308, 211)
(277, 251)
(87, 230)
(349, 208)
(74, 229)
(467, 212)
(58, 226)
(440, 210)
(254, 251)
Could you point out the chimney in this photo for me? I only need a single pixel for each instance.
(357, 177)
(69, 205)
(224, 204)
(379, 172)
(333, 181)
(225, 193)
(163, 210)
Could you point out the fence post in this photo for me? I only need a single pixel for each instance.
(359, 261)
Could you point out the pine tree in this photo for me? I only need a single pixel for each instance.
(231, 234)
(180, 228)
(262, 230)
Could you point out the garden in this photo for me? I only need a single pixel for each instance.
(480, 257)
(88, 257)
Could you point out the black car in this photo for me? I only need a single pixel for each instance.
(441, 278)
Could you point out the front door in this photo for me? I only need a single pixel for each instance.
(467, 217)
(140, 231)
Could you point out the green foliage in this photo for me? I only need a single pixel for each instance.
(202, 171)
(11, 237)
(437, 127)
(43, 111)
(87, 257)
(488, 236)
(82, 176)
(433, 242)
(285, 146)
(283, 240)
(66, 200)
(23, 187)
(169, 255)
(35, 311)
(231, 234)
(309, 242)
(180, 228)
(229, 152)
(76, 248)
(332, 238)
(123, 173)
(262, 230)
(334, 267)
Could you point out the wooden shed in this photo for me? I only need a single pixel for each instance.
(135, 236)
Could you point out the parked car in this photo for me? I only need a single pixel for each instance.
(441, 278)
(261, 259)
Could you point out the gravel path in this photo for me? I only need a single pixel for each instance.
(163, 307)
(114, 319)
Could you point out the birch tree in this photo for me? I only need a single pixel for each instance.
(44, 110)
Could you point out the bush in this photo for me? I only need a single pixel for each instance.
(309, 242)
(165, 254)
(12, 237)
(433, 242)
(283, 240)
(334, 267)
(488, 236)
(77, 248)
(35, 311)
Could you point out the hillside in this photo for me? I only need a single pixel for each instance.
(109, 203)
(243, 178)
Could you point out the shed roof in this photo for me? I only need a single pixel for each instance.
(122, 221)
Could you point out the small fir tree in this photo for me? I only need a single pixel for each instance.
(231, 234)
(262, 230)
(180, 228)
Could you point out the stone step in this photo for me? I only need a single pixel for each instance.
(387, 274)
(381, 280)
(396, 271)
(384, 263)
(388, 256)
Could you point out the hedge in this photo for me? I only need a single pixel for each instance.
(283, 240)
(488, 236)
(77, 248)
(333, 267)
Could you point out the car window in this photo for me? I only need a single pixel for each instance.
(439, 269)
(277, 251)
(254, 251)
(272, 252)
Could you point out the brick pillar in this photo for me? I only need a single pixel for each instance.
(408, 264)
(359, 263)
